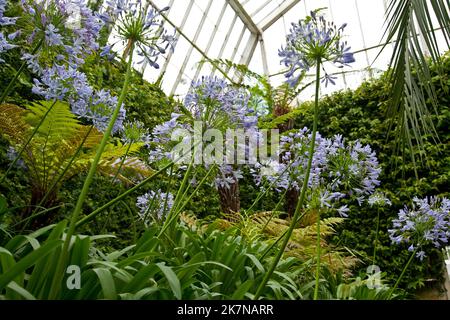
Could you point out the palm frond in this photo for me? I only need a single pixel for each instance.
(410, 25)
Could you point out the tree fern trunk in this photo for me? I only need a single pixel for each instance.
(42, 220)
(229, 198)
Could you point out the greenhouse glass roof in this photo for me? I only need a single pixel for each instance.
(250, 32)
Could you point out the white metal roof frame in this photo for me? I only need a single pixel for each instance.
(248, 19)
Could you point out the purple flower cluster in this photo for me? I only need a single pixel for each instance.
(70, 29)
(154, 206)
(98, 108)
(6, 21)
(227, 177)
(338, 170)
(311, 39)
(216, 105)
(215, 102)
(143, 26)
(428, 222)
(64, 82)
(12, 154)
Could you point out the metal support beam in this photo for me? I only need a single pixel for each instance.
(273, 17)
(238, 43)
(188, 54)
(244, 16)
(225, 41)
(363, 38)
(177, 36)
(211, 39)
(249, 50)
(264, 55)
(262, 6)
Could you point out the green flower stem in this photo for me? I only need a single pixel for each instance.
(273, 245)
(267, 189)
(295, 219)
(376, 238)
(122, 163)
(318, 249)
(403, 273)
(57, 280)
(22, 149)
(182, 191)
(95, 213)
(178, 211)
(275, 210)
(13, 81)
(34, 215)
(169, 189)
(114, 179)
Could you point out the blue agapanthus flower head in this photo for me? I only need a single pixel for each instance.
(64, 82)
(154, 206)
(140, 25)
(214, 101)
(64, 30)
(5, 21)
(339, 170)
(427, 222)
(311, 40)
(5, 45)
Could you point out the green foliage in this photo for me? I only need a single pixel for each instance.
(189, 265)
(61, 148)
(334, 285)
(302, 245)
(120, 220)
(361, 114)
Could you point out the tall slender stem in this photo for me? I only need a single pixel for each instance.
(375, 245)
(316, 120)
(304, 188)
(172, 218)
(96, 212)
(403, 273)
(56, 285)
(122, 162)
(114, 180)
(318, 251)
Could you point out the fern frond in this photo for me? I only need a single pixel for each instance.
(302, 244)
(132, 168)
(12, 124)
(59, 123)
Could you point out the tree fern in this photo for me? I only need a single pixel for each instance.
(62, 148)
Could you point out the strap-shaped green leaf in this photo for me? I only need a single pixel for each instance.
(28, 261)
